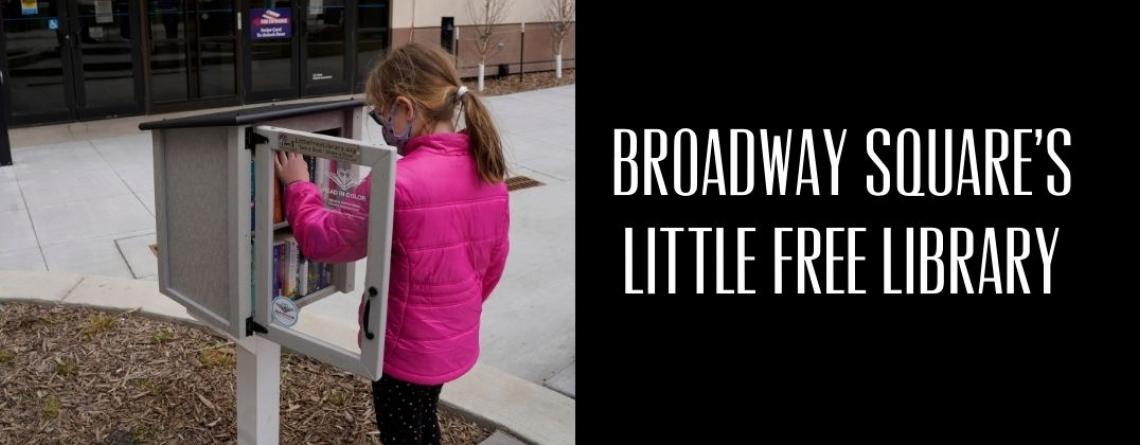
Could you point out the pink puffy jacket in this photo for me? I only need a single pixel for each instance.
(449, 246)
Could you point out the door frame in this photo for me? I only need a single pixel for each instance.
(193, 67)
(344, 86)
(358, 83)
(79, 86)
(71, 71)
(299, 86)
(382, 161)
(293, 92)
(67, 113)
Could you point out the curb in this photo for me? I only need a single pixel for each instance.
(528, 411)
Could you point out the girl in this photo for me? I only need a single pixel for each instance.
(449, 240)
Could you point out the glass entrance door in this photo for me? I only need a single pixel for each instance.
(71, 60)
(104, 50)
(297, 48)
(272, 41)
(324, 67)
(38, 62)
(372, 35)
(193, 51)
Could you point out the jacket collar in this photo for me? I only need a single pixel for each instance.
(450, 144)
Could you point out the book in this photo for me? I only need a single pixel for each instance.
(295, 275)
(276, 268)
(278, 213)
(291, 269)
(303, 276)
(314, 278)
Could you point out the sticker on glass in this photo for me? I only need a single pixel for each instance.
(285, 311)
(103, 13)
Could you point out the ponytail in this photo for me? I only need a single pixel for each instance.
(486, 147)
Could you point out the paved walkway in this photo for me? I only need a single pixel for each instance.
(80, 200)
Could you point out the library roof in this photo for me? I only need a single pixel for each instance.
(250, 115)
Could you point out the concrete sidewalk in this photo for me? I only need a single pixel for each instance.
(80, 200)
(531, 412)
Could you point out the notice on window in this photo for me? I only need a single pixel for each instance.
(29, 7)
(269, 24)
(103, 12)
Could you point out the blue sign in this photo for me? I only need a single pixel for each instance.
(53, 24)
(268, 24)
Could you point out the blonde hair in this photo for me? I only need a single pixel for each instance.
(426, 76)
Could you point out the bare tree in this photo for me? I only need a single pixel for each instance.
(485, 14)
(561, 13)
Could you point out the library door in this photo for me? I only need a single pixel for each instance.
(193, 53)
(297, 48)
(71, 59)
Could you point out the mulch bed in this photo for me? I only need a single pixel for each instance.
(78, 375)
(493, 86)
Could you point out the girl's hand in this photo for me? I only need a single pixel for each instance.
(291, 167)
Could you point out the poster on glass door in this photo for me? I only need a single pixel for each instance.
(29, 7)
(270, 23)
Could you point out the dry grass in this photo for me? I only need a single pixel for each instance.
(511, 84)
(75, 375)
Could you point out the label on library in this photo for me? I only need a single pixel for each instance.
(285, 311)
(319, 147)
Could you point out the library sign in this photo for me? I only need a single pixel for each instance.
(268, 24)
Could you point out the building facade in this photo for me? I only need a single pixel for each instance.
(70, 60)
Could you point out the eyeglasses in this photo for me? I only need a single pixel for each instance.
(375, 115)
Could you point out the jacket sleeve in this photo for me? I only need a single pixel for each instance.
(498, 260)
(328, 235)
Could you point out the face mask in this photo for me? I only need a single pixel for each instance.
(391, 138)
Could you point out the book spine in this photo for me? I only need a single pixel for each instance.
(303, 276)
(312, 164)
(291, 270)
(314, 278)
(278, 213)
(276, 271)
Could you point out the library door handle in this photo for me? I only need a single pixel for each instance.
(368, 311)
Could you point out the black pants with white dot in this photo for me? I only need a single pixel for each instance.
(406, 412)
